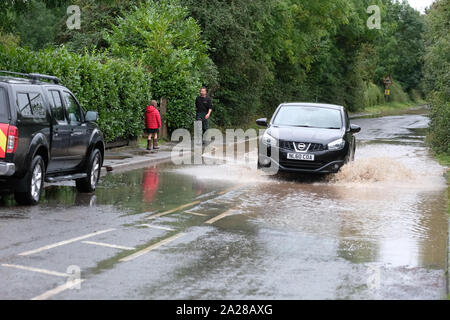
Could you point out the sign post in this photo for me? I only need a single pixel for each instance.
(387, 83)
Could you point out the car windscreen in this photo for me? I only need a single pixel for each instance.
(4, 113)
(303, 116)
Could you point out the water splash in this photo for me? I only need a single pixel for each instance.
(373, 170)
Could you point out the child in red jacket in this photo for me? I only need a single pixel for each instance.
(152, 125)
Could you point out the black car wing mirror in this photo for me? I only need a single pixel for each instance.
(354, 128)
(91, 116)
(262, 122)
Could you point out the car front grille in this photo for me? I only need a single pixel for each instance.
(289, 145)
(306, 165)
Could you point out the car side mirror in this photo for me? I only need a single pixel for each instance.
(262, 122)
(91, 116)
(354, 128)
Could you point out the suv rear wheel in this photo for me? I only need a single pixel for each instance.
(89, 184)
(34, 181)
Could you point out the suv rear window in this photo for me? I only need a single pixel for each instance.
(24, 104)
(31, 105)
(4, 112)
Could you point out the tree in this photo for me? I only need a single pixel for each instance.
(263, 49)
(400, 48)
(161, 36)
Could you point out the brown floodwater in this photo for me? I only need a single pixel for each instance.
(384, 213)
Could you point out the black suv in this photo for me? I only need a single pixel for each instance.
(45, 136)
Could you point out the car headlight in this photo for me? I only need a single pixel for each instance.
(268, 140)
(336, 145)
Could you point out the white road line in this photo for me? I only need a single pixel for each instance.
(220, 216)
(152, 247)
(157, 227)
(173, 210)
(108, 245)
(206, 195)
(197, 214)
(44, 271)
(62, 243)
(50, 293)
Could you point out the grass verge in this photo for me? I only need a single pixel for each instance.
(388, 108)
(444, 159)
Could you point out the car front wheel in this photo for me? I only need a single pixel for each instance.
(89, 184)
(34, 181)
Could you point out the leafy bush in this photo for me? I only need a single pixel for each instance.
(416, 96)
(375, 94)
(437, 75)
(397, 93)
(119, 90)
(439, 135)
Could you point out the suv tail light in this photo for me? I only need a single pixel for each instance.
(13, 139)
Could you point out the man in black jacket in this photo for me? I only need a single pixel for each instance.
(203, 106)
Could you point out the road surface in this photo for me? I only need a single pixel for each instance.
(377, 230)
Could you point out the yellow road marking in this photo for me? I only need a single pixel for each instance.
(197, 214)
(152, 247)
(62, 243)
(44, 271)
(173, 210)
(108, 245)
(50, 293)
(220, 216)
(157, 227)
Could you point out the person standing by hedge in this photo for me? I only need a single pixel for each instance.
(204, 107)
(152, 125)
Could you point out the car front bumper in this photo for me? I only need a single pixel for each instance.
(325, 161)
(7, 169)
(331, 167)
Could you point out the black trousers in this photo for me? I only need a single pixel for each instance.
(201, 117)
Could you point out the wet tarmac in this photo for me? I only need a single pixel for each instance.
(376, 230)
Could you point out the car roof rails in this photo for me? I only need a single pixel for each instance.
(34, 77)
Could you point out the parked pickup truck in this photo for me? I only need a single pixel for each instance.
(45, 136)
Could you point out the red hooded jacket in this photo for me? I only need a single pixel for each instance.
(152, 118)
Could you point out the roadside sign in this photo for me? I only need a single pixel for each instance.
(387, 92)
(387, 81)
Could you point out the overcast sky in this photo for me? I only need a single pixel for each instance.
(420, 4)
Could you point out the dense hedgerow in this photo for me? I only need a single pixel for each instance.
(118, 89)
(437, 75)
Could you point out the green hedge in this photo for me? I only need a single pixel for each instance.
(437, 76)
(119, 90)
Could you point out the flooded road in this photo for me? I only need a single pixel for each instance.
(376, 230)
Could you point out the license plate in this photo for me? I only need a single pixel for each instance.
(300, 156)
